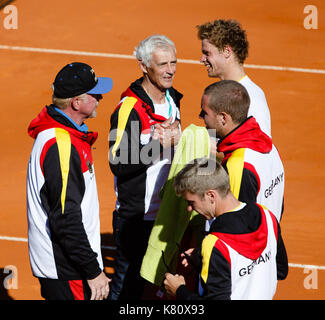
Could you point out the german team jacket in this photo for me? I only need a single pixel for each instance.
(62, 200)
(241, 258)
(130, 137)
(254, 166)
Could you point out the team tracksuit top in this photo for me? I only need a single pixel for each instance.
(62, 200)
(254, 166)
(131, 127)
(241, 258)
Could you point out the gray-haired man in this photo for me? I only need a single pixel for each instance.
(148, 115)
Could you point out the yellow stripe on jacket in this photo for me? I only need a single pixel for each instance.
(64, 145)
(123, 116)
(235, 167)
(207, 246)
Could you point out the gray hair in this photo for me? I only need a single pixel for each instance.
(201, 175)
(147, 46)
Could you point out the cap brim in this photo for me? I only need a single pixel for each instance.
(103, 85)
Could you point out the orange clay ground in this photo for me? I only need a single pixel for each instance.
(296, 100)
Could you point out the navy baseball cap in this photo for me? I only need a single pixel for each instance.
(77, 78)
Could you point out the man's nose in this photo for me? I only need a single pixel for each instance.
(170, 68)
(203, 58)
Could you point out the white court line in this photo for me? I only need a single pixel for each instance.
(126, 56)
(306, 266)
(13, 239)
(292, 265)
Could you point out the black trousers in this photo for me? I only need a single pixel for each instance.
(54, 289)
(131, 238)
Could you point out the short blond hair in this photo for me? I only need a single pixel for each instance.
(201, 175)
(62, 103)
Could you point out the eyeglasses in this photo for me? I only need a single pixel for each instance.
(96, 96)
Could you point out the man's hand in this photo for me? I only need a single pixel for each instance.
(173, 282)
(167, 133)
(99, 287)
(169, 125)
(213, 149)
(184, 261)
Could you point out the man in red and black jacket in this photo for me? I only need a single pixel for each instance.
(243, 255)
(144, 125)
(62, 200)
(254, 165)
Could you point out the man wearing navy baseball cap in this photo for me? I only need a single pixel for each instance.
(76, 83)
(62, 199)
(77, 78)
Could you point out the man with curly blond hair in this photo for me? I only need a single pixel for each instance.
(224, 51)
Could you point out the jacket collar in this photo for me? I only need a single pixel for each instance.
(247, 135)
(137, 90)
(50, 118)
(245, 230)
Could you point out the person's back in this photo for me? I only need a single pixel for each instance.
(255, 278)
(258, 107)
(245, 244)
(270, 172)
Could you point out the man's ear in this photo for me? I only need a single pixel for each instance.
(227, 51)
(211, 195)
(223, 118)
(75, 104)
(143, 67)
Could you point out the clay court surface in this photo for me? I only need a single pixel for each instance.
(296, 100)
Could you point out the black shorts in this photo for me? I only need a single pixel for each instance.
(54, 289)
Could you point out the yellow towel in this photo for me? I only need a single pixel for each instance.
(172, 218)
